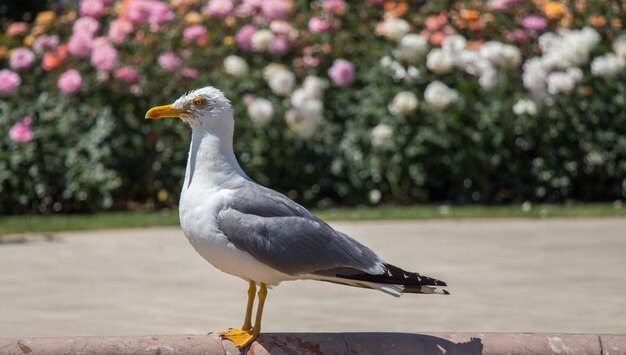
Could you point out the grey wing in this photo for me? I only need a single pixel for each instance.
(285, 236)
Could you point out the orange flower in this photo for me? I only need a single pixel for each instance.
(476, 25)
(597, 21)
(63, 51)
(396, 9)
(3, 52)
(193, 18)
(28, 40)
(470, 15)
(475, 45)
(228, 41)
(230, 21)
(437, 38)
(203, 41)
(51, 60)
(554, 10)
(45, 18)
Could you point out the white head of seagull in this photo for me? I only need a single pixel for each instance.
(210, 115)
(202, 107)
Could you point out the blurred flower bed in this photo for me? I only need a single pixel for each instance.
(336, 102)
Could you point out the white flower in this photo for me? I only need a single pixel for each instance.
(381, 134)
(375, 196)
(235, 66)
(304, 119)
(386, 61)
(589, 38)
(619, 46)
(439, 62)
(261, 40)
(471, 62)
(511, 56)
(488, 78)
(439, 96)
(279, 79)
(395, 28)
(575, 73)
(314, 86)
(312, 110)
(525, 107)
(549, 41)
(404, 103)
(411, 47)
(502, 55)
(260, 111)
(608, 65)
(569, 49)
(534, 76)
(298, 97)
(454, 44)
(271, 69)
(560, 82)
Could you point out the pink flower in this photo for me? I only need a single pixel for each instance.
(342, 72)
(248, 8)
(281, 27)
(336, 6)
(152, 11)
(194, 32)
(159, 12)
(127, 75)
(21, 132)
(534, 23)
(435, 23)
(80, 45)
(9, 81)
(45, 43)
(503, 4)
(275, 9)
(138, 11)
(279, 46)
(119, 30)
(189, 73)
(169, 61)
(17, 29)
(104, 57)
(86, 26)
(21, 59)
(70, 82)
(219, 8)
(92, 8)
(518, 36)
(318, 25)
(243, 38)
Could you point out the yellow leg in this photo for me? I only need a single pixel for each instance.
(259, 310)
(243, 337)
(247, 323)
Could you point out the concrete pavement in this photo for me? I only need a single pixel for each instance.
(555, 275)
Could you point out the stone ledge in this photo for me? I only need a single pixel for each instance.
(327, 343)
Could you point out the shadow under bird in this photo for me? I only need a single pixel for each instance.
(258, 234)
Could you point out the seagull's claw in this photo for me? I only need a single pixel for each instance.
(241, 338)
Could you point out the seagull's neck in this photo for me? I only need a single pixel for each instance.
(212, 161)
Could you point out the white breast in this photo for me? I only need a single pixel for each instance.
(198, 210)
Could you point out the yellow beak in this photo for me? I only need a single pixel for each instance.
(164, 111)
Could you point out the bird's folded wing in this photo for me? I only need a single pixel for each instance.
(282, 234)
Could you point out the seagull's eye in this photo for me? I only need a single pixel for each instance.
(199, 101)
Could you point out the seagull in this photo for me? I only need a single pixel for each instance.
(258, 234)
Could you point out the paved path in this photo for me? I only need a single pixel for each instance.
(505, 275)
